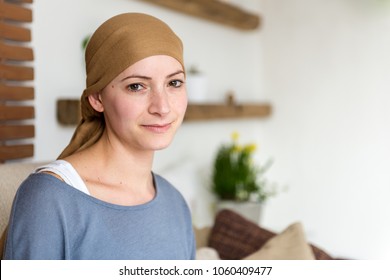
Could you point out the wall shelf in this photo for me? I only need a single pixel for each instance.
(68, 111)
(203, 112)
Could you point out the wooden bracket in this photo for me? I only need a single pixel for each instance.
(68, 111)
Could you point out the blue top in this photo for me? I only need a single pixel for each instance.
(52, 220)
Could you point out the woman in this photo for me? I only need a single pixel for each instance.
(101, 200)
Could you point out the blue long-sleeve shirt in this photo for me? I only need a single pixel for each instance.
(53, 220)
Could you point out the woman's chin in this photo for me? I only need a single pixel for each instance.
(159, 145)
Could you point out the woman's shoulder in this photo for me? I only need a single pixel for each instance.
(166, 190)
(41, 186)
(38, 180)
(162, 184)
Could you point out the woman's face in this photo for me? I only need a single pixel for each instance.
(145, 104)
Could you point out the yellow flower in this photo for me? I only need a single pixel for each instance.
(235, 136)
(250, 148)
(237, 148)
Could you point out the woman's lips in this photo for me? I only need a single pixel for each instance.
(158, 128)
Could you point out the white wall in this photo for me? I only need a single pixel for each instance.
(324, 65)
(327, 74)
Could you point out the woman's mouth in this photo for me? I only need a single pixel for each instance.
(158, 128)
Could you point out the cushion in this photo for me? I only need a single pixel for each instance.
(207, 253)
(12, 175)
(289, 245)
(202, 236)
(235, 237)
(320, 254)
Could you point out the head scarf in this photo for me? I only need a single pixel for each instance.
(117, 44)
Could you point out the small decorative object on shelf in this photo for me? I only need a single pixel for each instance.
(238, 182)
(196, 83)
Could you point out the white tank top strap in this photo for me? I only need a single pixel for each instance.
(66, 171)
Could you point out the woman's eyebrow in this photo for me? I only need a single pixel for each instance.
(149, 78)
(136, 76)
(175, 73)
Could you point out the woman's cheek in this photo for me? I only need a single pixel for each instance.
(182, 106)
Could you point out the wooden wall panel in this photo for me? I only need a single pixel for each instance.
(13, 132)
(13, 32)
(15, 93)
(14, 52)
(8, 113)
(14, 11)
(16, 76)
(16, 152)
(16, 73)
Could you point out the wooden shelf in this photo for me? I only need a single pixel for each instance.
(202, 112)
(68, 111)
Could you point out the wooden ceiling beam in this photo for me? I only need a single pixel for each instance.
(213, 10)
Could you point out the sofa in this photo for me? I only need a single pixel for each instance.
(231, 237)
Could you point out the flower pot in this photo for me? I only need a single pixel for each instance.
(249, 210)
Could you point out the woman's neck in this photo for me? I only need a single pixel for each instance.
(116, 174)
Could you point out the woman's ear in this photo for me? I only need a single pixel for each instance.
(96, 101)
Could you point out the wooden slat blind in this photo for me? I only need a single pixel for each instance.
(16, 76)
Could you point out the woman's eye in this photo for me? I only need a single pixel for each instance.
(135, 87)
(175, 83)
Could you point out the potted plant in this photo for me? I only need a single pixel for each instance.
(238, 182)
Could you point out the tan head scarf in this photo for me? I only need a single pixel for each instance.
(117, 44)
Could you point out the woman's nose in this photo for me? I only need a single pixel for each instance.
(159, 103)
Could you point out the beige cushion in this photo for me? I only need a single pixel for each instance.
(11, 176)
(289, 245)
(207, 253)
(202, 236)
